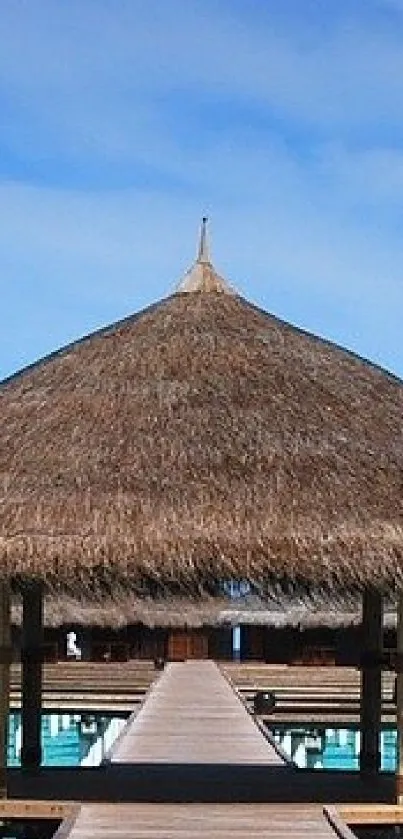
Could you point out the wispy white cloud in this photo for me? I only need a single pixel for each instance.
(122, 124)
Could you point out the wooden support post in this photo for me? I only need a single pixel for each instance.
(5, 658)
(32, 653)
(399, 701)
(85, 643)
(371, 682)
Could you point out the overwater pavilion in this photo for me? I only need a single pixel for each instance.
(244, 629)
(200, 441)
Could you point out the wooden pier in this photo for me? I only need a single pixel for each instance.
(194, 739)
(197, 821)
(193, 716)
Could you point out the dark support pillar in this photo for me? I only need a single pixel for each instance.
(5, 658)
(85, 643)
(32, 653)
(371, 682)
(399, 701)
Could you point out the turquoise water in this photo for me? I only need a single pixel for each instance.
(317, 747)
(68, 739)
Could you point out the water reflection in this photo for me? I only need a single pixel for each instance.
(317, 747)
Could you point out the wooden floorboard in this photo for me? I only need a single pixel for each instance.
(89, 686)
(306, 694)
(200, 821)
(192, 715)
(193, 763)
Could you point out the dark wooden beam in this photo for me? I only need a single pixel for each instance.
(371, 682)
(31, 693)
(399, 701)
(5, 658)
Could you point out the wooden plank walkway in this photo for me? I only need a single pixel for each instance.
(192, 715)
(193, 764)
(199, 821)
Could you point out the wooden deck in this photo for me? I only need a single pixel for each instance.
(192, 715)
(193, 763)
(196, 821)
(304, 694)
(89, 686)
(193, 719)
(309, 694)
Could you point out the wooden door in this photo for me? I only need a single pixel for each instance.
(178, 645)
(187, 643)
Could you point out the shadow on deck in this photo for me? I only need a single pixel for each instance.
(199, 783)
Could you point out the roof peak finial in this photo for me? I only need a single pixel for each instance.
(202, 276)
(203, 254)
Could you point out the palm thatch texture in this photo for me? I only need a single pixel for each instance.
(178, 612)
(198, 441)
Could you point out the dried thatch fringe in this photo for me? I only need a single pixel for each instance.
(122, 610)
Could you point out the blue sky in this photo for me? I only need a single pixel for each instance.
(123, 121)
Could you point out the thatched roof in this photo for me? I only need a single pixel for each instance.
(124, 610)
(200, 440)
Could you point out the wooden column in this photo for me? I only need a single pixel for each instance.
(371, 682)
(31, 653)
(5, 658)
(85, 643)
(399, 701)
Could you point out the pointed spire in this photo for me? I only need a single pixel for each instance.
(202, 276)
(204, 250)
